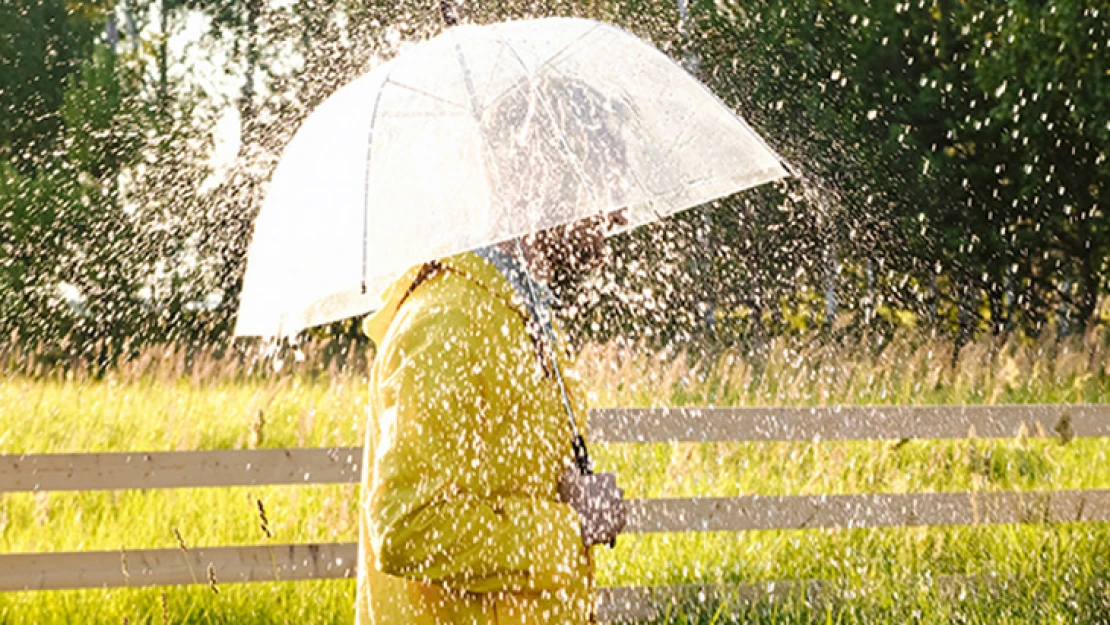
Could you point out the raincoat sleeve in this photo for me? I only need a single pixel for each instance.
(429, 516)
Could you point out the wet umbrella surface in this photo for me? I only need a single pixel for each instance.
(477, 136)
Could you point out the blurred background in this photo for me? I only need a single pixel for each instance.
(954, 158)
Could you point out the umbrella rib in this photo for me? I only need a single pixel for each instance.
(465, 69)
(423, 115)
(790, 170)
(477, 117)
(493, 70)
(422, 92)
(636, 119)
(578, 171)
(366, 179)
(543, 66)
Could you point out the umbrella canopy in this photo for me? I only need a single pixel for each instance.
(479, 135)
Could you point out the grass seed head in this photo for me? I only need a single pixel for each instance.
(265, 521)
(180, 541)
(212, 578)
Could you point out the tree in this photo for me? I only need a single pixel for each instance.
(1045, 70)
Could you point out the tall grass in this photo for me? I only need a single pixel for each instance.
(1023, 574)
(909, 369)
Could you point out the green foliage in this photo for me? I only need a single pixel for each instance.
(952, 159)
(66, 225)
(1047, 74)
(936, 129)
(42, 44)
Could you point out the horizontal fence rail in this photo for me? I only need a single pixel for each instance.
(646, 603)
(172, 567)
(219, 565)
(259, 467)
(706, 425)
(56, 571)
(179, 469)
(796, 512)
(240, 564)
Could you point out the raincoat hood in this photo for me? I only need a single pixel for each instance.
(474, 267)
(377, 323)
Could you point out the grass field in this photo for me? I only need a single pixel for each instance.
(1024, 574)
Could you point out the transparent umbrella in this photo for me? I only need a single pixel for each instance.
(480, 135)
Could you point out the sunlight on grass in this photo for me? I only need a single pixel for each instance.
(1025, 574)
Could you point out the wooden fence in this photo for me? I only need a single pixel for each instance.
(155, 567)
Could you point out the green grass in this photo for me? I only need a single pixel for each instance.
(1022, 574)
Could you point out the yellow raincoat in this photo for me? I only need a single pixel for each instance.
(468, 435)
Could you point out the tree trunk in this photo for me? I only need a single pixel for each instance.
(129, 23)
(869, 301)
(831, 263)
(246, 97)
(1088, 286)
(111, 33)
(1008, 303)
(691, 60)
(996, 304)
(933, 305)
(163, 58)
(967, 309)
(1063, 312)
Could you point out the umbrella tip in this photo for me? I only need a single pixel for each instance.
(449, 12)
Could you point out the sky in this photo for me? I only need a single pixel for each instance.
(208, 65)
